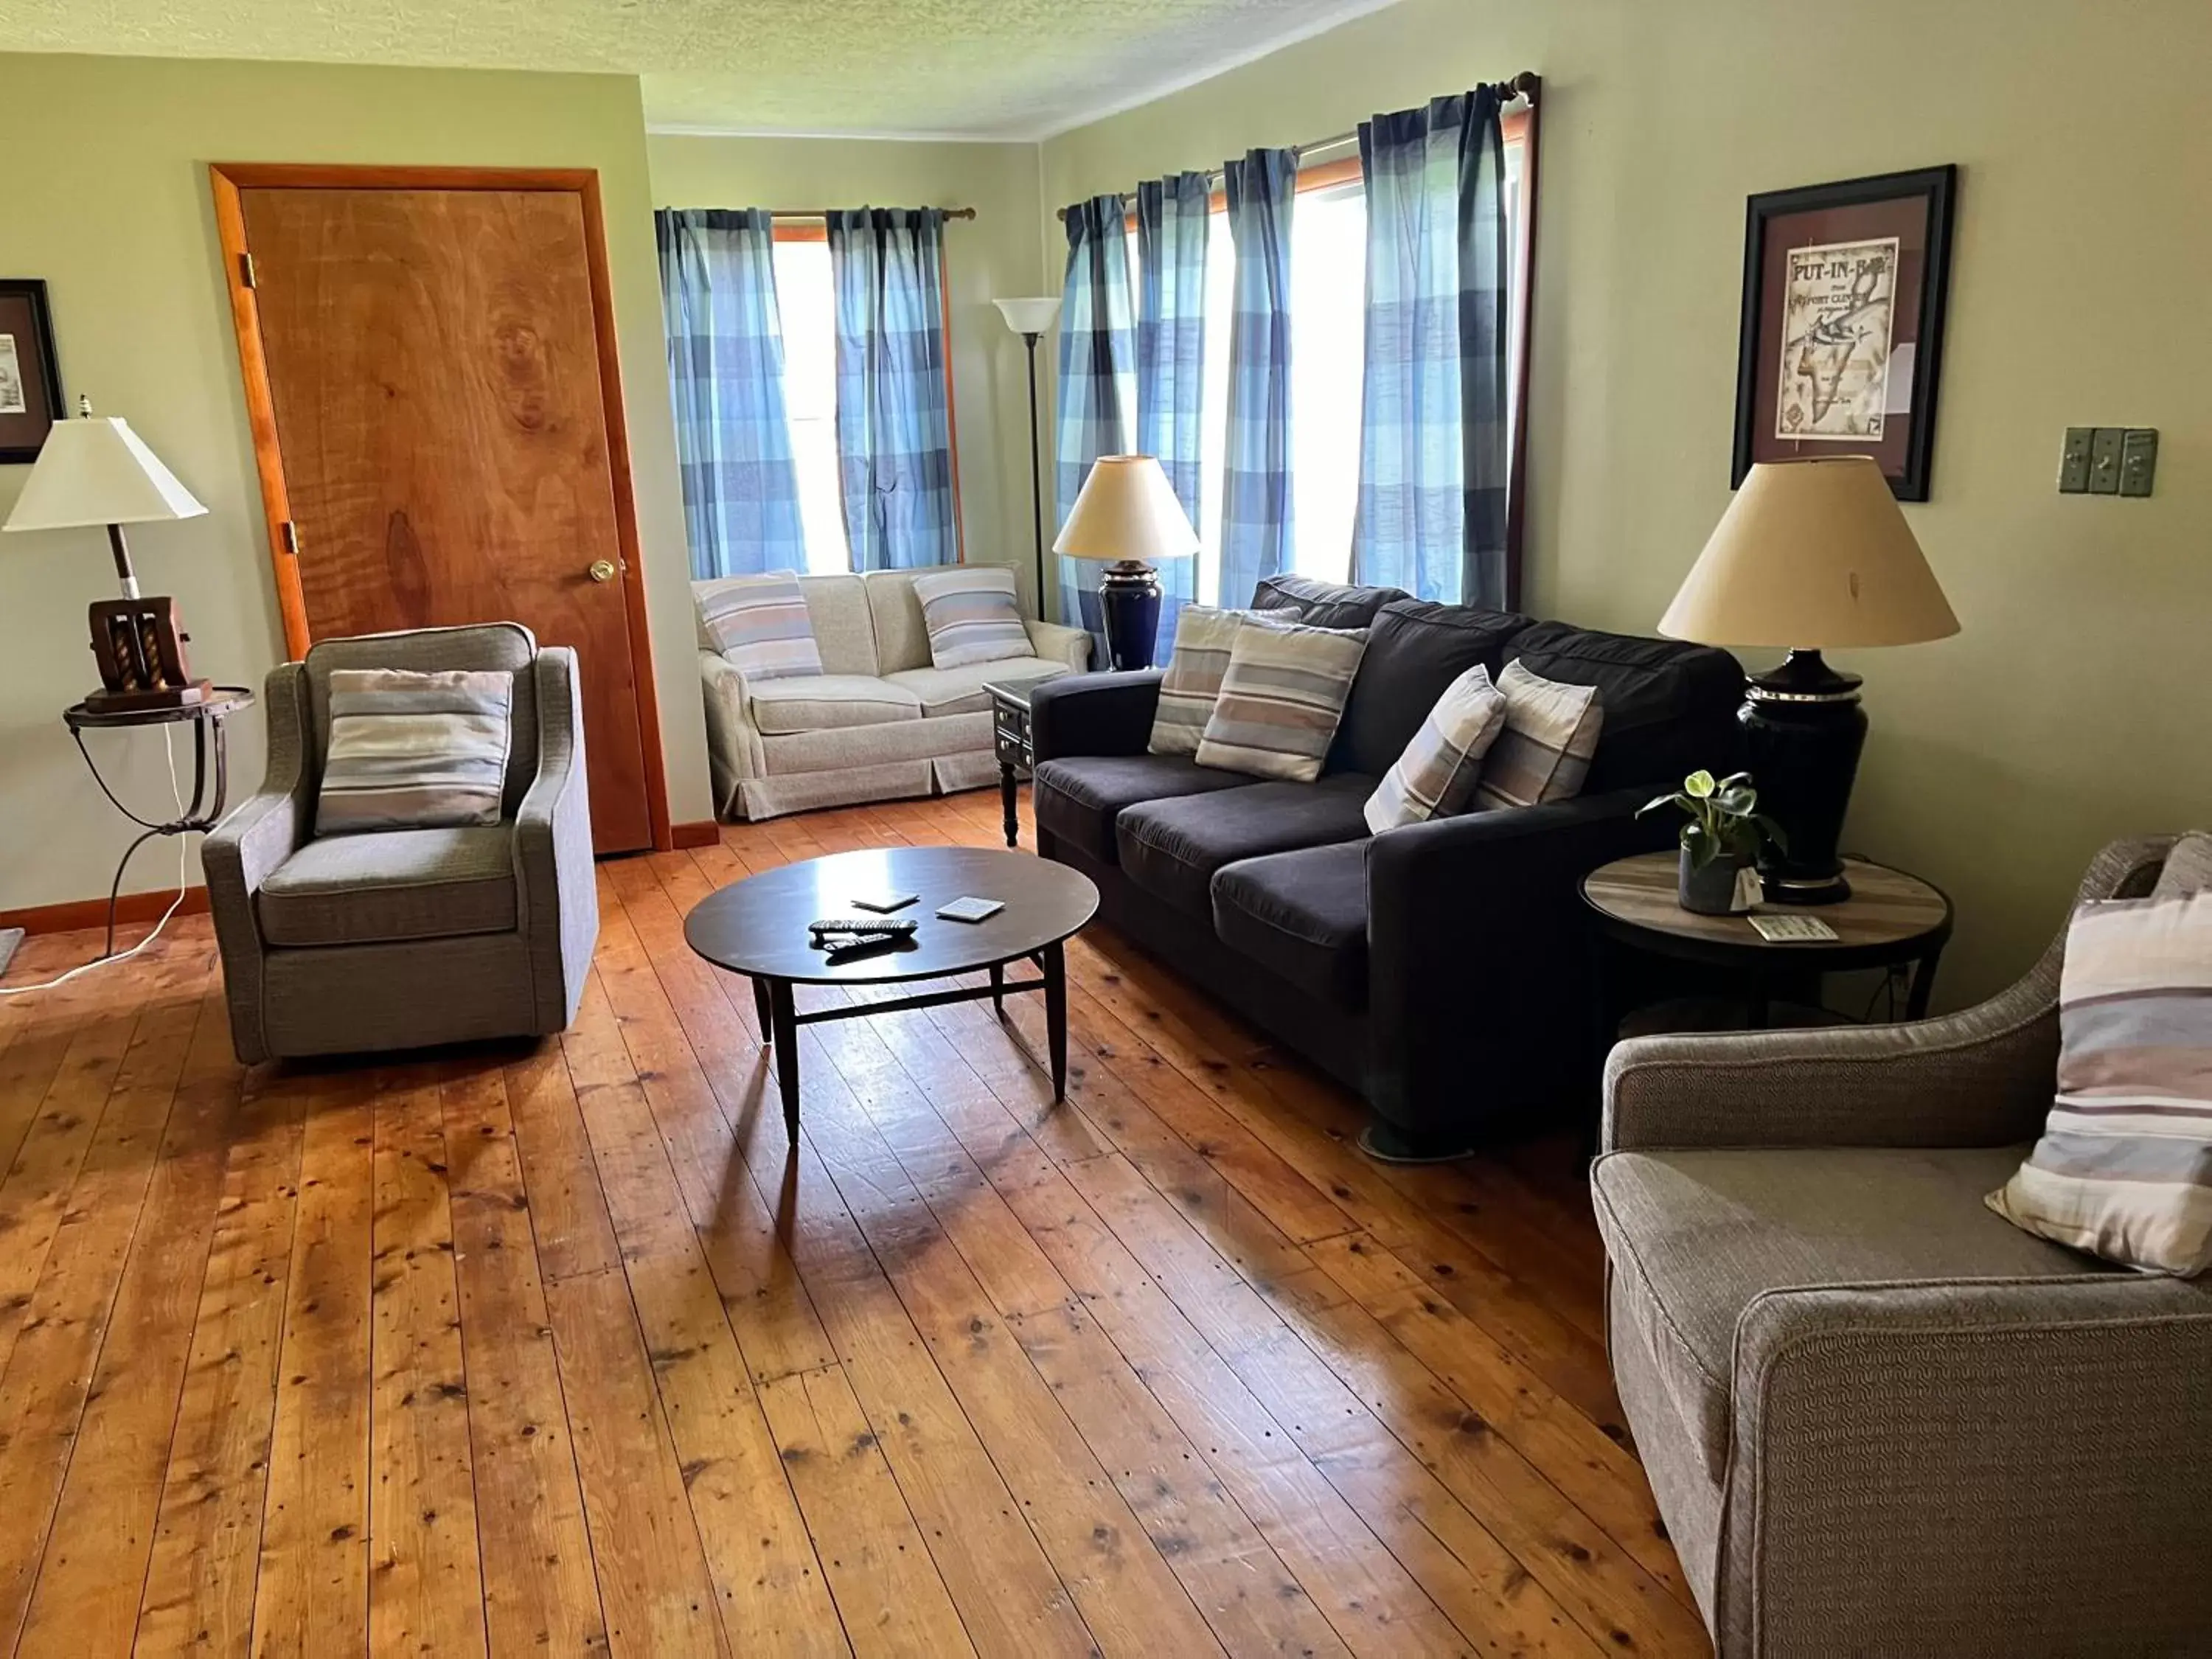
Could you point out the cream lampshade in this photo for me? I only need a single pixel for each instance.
(1127, 514)
(1030, 316)
(1810, 555)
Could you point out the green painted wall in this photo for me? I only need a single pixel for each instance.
(110, 205)
(2073, 707)
(993, 255)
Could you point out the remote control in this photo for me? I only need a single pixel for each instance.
(862, 924)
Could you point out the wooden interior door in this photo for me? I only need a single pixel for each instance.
(430, 371)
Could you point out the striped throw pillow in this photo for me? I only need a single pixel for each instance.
(2188, 868)
(1281, 697)
(1193, 680)
(1437, 776)
(760, 625)
(2125, 1167)
(1544, 752)
(970, 617)
(413, 751)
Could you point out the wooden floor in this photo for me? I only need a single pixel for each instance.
(552, 1348)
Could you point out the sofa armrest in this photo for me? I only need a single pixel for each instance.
(734, 751)
(1980, 1078)
(1057, 644)
(253, 839)
(557, 889)
(2020, 1464)
(1094, 714)
(1479, 970)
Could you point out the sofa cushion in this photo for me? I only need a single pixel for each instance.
(1303, 914)
(1171, 848)
(960, 690)
(1080, 797)
(757, 624)
(971, 615)
(1669, 707)
(391, 885)
(1282, 697)
(1437, 776)
(1696, 1237)
(1192, 684)
(895, 613)
(1415, 650)
(1552, 729)
(818, 701)
(844, 632)
(410, 749)
(1323, 604)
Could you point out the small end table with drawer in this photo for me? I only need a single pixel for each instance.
(1010, 739)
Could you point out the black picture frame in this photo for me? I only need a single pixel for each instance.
(1916, 206)
(24, 312)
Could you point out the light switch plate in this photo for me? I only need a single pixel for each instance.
(2104, 461)
(2074, 461)
(2138, 461)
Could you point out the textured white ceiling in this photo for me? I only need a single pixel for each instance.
(994, 69)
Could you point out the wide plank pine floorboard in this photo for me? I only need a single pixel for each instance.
(557, 1348)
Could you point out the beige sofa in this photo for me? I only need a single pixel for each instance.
(878, 722)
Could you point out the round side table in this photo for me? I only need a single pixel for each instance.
(211, 768)
(1891, 918)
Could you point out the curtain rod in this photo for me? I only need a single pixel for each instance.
(823, 213)
(1524, 88)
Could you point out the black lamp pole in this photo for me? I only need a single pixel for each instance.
(1037, 474)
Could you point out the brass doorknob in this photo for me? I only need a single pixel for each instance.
(601, 570)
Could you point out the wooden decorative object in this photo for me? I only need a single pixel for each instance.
(141, 653)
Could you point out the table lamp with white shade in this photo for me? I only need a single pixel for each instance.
(94, 470)
(1127, 515)
(1810, 555)
(1032, 319)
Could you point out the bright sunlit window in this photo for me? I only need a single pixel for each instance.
(806, 301)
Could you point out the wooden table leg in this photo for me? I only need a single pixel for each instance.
(1055, 1017)
(1924, 984)
(1006, 799)
(760, 1009)
(784, 1021)
(998, 989)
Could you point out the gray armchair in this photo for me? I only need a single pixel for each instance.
(407, 939)
(1878, 1417)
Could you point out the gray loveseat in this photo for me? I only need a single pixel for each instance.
(1879, 1419)
(405, 939)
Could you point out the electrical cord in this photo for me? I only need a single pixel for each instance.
(183, 856)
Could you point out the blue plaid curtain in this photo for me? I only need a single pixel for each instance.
(1432, 443)
(894, 433)
(1173, 217)
(725, 379)
(1096, 382)
(1255, 502)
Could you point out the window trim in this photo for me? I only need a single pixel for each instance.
(818, 230)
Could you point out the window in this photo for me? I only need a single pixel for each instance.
(806, 301)
(1328, 324)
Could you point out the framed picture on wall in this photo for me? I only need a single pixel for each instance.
(1843, 323)
(30, 380)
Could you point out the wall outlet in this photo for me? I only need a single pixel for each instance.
(2105, 460)
(2074, 462)
(2138, 461)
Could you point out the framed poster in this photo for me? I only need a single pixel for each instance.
(1843, 323)
(30, 380)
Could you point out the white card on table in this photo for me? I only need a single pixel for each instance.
(1792, 930)
(970, 909)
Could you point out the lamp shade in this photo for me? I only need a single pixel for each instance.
(1126, 510)
(1030, 316)
(1811, 556)
(95, 470)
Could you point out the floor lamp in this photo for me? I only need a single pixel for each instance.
(1032, 319)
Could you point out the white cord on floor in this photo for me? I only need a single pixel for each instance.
(184, 854)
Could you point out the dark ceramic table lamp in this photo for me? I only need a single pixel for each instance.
(1127, 515)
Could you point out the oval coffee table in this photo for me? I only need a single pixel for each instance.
(757, 928)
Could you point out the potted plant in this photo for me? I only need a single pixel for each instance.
(1724, 836)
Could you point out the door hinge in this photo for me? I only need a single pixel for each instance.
(246, 271)
(288, 533)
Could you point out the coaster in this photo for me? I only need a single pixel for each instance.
(970, 909)
(1793, 930)
(883, 904)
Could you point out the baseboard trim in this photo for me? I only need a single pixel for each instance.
(131, 909)
(703, 833)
